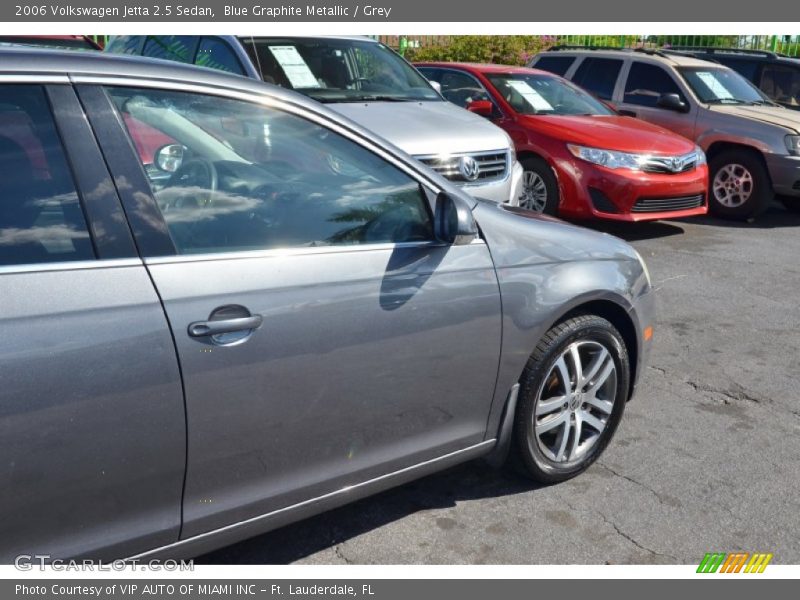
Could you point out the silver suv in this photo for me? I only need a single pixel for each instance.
(753, 145)
(369, 83)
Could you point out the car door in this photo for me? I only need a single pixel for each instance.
(644, 84)
(325, 337)
(92, 425)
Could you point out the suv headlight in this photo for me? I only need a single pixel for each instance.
(793, 144)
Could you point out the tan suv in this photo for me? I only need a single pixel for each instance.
(753, 145)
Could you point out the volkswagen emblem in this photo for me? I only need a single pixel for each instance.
(469, 168)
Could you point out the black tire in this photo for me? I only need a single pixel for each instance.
(760, 187)
(539, 167)
(592, 331)
(790, 203)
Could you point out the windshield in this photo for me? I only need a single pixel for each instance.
(335, 70)
(530, 94)
(721, 86)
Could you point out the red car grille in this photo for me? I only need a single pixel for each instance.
(668, 204)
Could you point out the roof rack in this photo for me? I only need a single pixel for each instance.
(585, 47)
(649, 51)
(715, 49)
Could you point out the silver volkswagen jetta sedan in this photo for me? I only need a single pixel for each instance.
(227, 307)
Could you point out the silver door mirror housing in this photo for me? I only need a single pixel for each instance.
(454, 221)
(436, 85)
(169, 158)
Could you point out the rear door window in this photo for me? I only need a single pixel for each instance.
(215, 53)
(782, 84)
(180, 48)
(41, 219)
(555, 64)
(599, 76)
(125, 44)
(646, 83)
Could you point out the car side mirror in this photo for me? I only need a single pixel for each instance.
(453, 221)
(672, 102)
(436, 85)
(483, 108)
(169, 158)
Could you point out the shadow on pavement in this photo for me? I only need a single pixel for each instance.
(631, 232)
(775, 217)
(469, 481)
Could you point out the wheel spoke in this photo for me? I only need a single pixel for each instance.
(577, 426)
(591, 420)
(563, 373)
(601, 378)
(578, 367)
(602, 405)
(545, 407)
(595, 365)
(562, 440)
(552, 422)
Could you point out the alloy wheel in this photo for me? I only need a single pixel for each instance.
(733, 185)
(534, 192)
(574, 405)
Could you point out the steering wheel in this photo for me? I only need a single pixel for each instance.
(192, 185)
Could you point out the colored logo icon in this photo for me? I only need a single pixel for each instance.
(736, 562)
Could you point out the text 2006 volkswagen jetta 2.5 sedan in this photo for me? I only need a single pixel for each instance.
(226, 308)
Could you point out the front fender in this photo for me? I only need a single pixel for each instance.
(546, 269)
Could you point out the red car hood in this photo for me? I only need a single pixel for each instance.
(625, 134)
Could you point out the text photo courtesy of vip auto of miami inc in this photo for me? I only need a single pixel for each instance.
(292, 298)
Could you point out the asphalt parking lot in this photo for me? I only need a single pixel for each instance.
(707, 456)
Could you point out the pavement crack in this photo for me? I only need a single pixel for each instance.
(633, 540)
(635, 482)
(736, 393)
(338, 552)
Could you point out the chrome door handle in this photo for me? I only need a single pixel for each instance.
(205, 328)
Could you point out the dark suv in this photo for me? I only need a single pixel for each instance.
(776, 75)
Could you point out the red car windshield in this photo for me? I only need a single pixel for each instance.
(531, 94)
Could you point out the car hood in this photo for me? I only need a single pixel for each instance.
(612, 132)
(774, 115)
(424, 128)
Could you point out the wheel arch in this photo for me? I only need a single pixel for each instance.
(717, 147)
(528, 153)
(620, 318)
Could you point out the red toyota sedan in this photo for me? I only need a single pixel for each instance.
(581, 159)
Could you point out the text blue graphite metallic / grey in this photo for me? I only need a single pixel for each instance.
(226, 307)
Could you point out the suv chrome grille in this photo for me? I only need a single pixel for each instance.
(470, 168)
(670, 164)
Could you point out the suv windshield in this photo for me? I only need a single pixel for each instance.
(545, 95)
(336, 70)
(721, 86)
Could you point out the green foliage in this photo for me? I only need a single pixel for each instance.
(499, 49)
